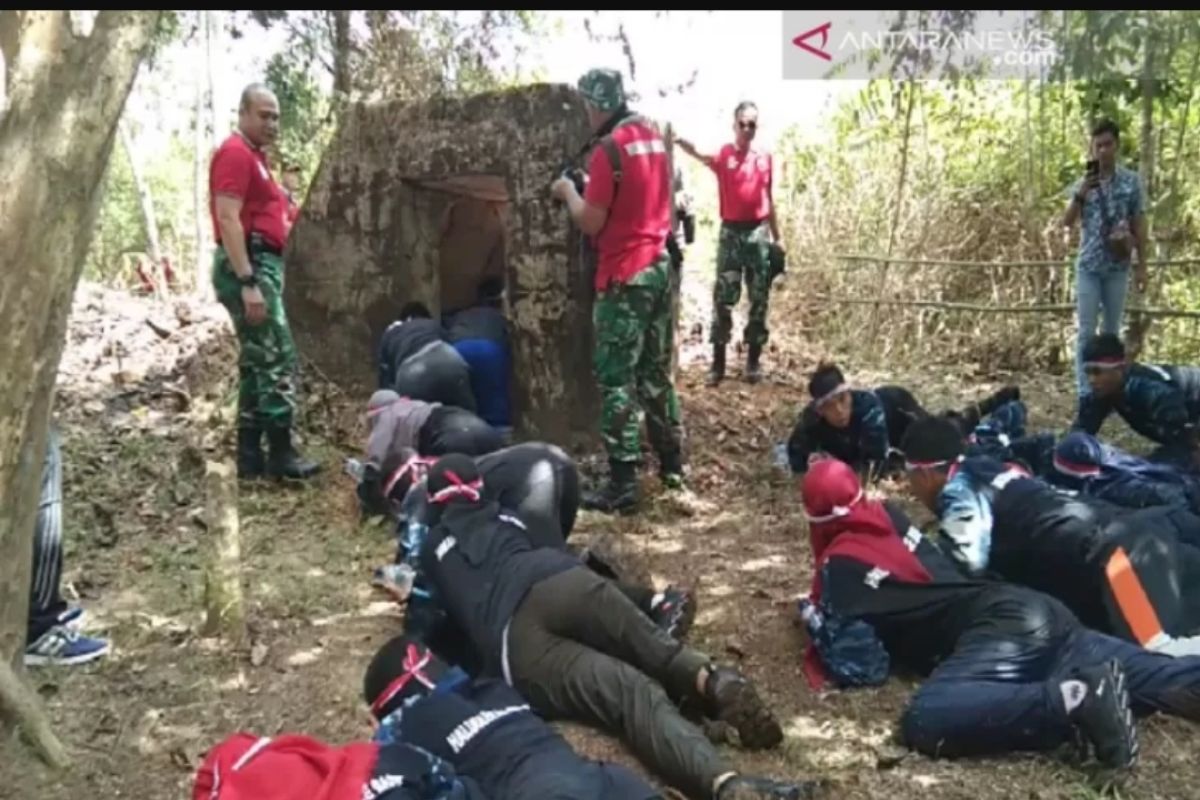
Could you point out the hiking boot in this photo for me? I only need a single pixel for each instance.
(670, 470)
(673, 610)
(753, 371)
(284, 461)
(742, 787)
(717, 371)
(732, 699)
(1104, 716)
(64, 646)
(250, 460)
(619, 494)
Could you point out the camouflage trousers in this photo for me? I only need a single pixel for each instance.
(635, 339)
(742, 254)
(267, 360)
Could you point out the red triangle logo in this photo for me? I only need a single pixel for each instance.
(801, 41)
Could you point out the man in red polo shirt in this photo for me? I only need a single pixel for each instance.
(251, 223)
(748, 229)
(628, 216)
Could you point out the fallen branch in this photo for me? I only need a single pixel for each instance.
(21, 704)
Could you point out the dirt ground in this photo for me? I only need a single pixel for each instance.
(138, 722)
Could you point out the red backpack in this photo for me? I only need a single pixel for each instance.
(247, 767)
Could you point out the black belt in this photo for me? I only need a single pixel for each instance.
(742, 225)
(255, 243)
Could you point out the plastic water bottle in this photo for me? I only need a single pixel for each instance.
(402, 576)
(779, 456)
(354, 468)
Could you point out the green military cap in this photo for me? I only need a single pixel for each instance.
(603, 88)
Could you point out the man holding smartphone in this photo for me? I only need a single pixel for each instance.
(1110, 203)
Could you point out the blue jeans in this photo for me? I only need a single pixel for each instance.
(1002, 696)
(1094, 290)
(490, 367)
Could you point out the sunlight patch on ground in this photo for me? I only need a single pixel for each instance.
(719, 590)
(378, 608)
(235, 684)
(925, 781)
(664, 546)
(305, 657)
(834, 743)
(757, 564)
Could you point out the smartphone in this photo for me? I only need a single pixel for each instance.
(1093, 168)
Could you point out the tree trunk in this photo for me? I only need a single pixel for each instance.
(211, 31)
(341, 59)
(145, 199)
(66, 94)
(225, 614)
(1139, 326)
(200, 185)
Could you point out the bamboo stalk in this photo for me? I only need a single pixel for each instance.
(929, 262)
(1055, 308)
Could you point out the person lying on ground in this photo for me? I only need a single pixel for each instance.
(862, 427)
(1084, 464)
(297, 767)
(432, 429)
(52, 633)
(1160, 402)
(538, 483)
(1002, 435)
(484, 729)
(417, 361)
(489, 733)
(1121, 571)
(575, 646)
(1008, 669)
(480, 335)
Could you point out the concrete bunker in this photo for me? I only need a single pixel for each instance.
(422, 202)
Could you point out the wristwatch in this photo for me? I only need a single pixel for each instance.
(248, 280)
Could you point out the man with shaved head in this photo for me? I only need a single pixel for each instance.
(251, 222)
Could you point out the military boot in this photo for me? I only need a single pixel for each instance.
(619, 494)
(753, 371)
(284, 461)
(717, 371)
(250, 461)
(670, 470)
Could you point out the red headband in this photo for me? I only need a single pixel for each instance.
(414, 664)
(413, 464)
(457, 488)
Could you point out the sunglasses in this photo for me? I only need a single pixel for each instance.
(748, 126)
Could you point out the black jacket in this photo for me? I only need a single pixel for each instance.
(402, 340)
(487, 731)
(482, 564)
(921, 624)
(996, 520)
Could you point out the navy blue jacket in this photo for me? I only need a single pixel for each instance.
(861, 443)
(487, 731)
(1161, 403)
